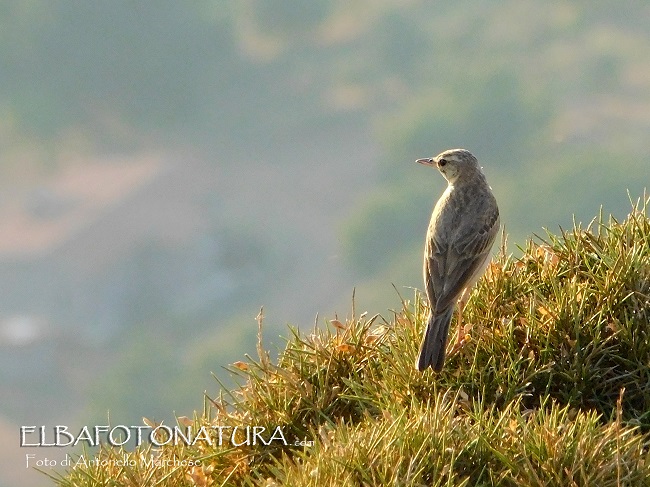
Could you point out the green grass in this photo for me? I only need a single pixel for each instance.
(552, 388)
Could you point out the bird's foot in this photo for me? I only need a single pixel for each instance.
(462, 339)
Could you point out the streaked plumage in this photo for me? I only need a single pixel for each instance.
(463, 227)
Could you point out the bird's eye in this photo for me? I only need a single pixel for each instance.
(442, 162)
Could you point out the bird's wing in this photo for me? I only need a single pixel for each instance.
(434, 270)
(451, 267)
(481, 241)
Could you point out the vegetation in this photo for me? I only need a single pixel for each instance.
(552, 98)
(551, 388)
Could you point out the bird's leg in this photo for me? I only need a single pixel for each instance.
(460, 337)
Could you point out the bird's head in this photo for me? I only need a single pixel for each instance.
(453, 164)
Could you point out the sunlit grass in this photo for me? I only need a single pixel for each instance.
(551, 388)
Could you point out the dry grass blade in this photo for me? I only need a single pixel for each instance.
(551, 390)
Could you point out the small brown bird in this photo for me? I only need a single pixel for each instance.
(464, 224)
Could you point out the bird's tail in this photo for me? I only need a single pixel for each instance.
(434, 341)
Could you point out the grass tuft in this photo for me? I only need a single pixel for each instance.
(551, 388)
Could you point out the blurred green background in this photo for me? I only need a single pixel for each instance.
(168, 168)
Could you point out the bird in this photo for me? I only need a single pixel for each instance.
(463, 227)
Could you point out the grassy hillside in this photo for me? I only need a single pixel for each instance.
(551, 389)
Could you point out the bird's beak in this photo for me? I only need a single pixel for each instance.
(427, 161)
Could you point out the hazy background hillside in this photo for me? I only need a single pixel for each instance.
(166, 171)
